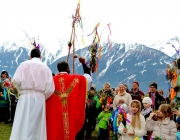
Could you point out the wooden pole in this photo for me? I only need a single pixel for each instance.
(70, 44)
(73, 50)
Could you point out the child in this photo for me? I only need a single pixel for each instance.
(136, 127)
(91, 113)
(164, 127)
(147, 102)
(104, 118)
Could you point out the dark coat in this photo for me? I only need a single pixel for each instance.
(139, 95)
(158, 100)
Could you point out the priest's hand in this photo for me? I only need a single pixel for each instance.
(85, 67)
(82, 60)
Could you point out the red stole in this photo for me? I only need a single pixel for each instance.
(65, 109)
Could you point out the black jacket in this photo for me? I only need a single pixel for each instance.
(158, 100)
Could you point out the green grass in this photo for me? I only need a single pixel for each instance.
(5, 131)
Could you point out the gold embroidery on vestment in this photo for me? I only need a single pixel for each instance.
(64, 94)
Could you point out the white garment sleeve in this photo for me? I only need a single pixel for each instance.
(17, 78)
(49, 90)
(88, 77)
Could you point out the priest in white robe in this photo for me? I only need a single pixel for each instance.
(35, 83)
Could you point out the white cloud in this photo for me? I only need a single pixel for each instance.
(140, 21)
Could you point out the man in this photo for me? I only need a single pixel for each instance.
(65, 109)
(136, 94)
(156, 98)
(35, 84)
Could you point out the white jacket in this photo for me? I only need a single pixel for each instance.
(138, 132)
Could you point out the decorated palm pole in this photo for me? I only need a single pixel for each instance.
(76, 20)
(173, 77)
(95, 48)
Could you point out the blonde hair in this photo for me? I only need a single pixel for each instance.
(107, 83)
(135, 122)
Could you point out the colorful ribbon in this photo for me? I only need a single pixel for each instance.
(5, 94)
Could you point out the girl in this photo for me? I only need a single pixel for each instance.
(164, 127)
(136, 127)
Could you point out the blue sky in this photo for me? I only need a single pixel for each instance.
(141, 21)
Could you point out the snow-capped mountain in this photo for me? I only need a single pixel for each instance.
(25, 46)
(124, 63)
(166, 46)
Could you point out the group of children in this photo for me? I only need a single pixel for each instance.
(147, 124)
(140, 124)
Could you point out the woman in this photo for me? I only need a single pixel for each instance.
(122, 97)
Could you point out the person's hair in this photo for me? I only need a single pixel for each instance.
(62, 66)
(161, 91)
(121, 84)
(166, 109)
(3, 72)
(107, 83)
(35, 53)
(135, 122)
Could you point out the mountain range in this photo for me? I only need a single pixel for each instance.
(123, 63)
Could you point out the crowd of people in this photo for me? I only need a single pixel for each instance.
(8, 98)
(149, 114)
(61, 106)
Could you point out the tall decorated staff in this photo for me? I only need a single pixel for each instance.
(96, 48)
(77, 20)
(171, 76)
(176, 102)
(173, 73)
(37, 46)
(34, 43)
